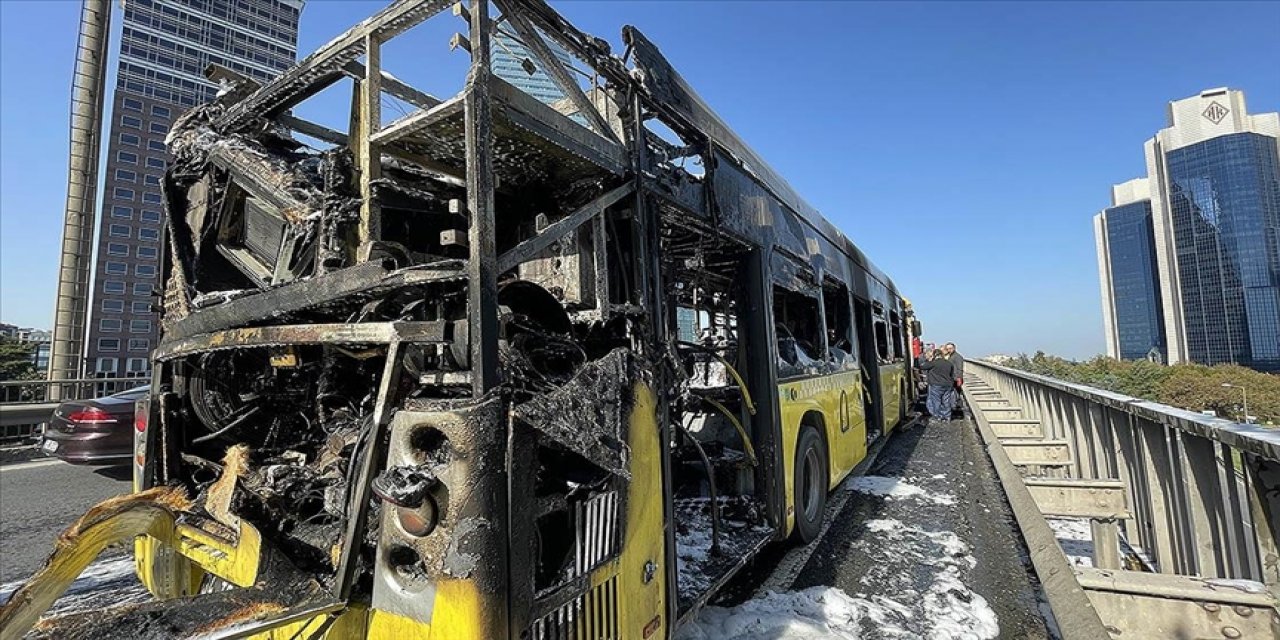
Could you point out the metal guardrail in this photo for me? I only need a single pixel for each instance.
(35, 391)
(1199, 495)
(26, 404)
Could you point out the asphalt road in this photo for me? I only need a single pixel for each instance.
(39, 499)
(952, 551)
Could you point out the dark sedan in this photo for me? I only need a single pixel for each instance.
(98, 431)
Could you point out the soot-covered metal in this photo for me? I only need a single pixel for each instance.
(412, 352)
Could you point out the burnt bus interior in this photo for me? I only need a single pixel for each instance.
(406, 351)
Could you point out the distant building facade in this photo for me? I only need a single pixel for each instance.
(165, 47)
(1131, 303)
(41, 338)
(1214, 197)
(1217, 230)
(508, 60)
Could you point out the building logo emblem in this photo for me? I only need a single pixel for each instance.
(1216, 112)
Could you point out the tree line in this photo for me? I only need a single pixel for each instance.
(16, 362)
(1195, 387)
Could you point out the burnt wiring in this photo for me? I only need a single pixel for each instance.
(245, 414)
(742, 385)
(737, 424)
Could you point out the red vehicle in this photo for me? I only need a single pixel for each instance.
(97, 431)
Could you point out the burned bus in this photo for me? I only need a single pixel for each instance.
(499, 368)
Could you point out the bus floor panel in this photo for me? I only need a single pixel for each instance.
(699, 567)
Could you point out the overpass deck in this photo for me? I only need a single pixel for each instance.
(922, 545)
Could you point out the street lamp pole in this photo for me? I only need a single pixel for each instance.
(1244, 394)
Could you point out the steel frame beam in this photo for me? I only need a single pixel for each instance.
(1152, 605)
(393, 86)
(1077, 498)
(482, 274)
(368, 153)
(328, 64)
(534, 42)
(354, 280)
(362, 333)
(558, 229)
(419, 120)
(1038, 452)
(317, 131)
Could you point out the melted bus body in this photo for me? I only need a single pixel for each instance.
(498, 368)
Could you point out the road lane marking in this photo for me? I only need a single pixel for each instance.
(29, 465)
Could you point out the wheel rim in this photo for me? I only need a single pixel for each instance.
(812, 483)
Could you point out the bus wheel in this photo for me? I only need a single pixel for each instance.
(810, 484)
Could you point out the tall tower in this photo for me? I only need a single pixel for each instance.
(1215, 202)
(1131, 303)
(164, 49)
(71, 307)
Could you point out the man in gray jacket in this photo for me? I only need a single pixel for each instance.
(957, 371)
(938, 374)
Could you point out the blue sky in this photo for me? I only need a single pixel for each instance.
(963, 146)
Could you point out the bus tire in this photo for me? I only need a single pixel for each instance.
(810, 484)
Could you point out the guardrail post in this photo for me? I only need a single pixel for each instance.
(1100, 427)
(1106, 542)
(1243, 552)
(1155, 461)
(1204, 497)
(1263, 478)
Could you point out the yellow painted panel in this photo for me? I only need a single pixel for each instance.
(384, 625)
(642, 543)
(236, 563)
(847, 447)
(352, 624)
(461, 611)
(891, 383)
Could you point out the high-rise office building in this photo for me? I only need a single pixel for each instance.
(1131, 304)
(1216, 212)
(164, 49)
(1214, 198)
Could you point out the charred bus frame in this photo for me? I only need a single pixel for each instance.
(470, 316)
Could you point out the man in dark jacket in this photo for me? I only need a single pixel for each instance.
(957, 372)
(941, 379)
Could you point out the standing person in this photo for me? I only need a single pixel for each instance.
(941, 381)
(957, 371)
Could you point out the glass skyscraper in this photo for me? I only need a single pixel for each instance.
(165, 47)
(1210, 211)
(1224, 201)
(508, 61)
(1130, 275)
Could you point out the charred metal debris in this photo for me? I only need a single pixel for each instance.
(415, 351)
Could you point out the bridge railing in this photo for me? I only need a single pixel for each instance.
(1204, 492)
(26, 404)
